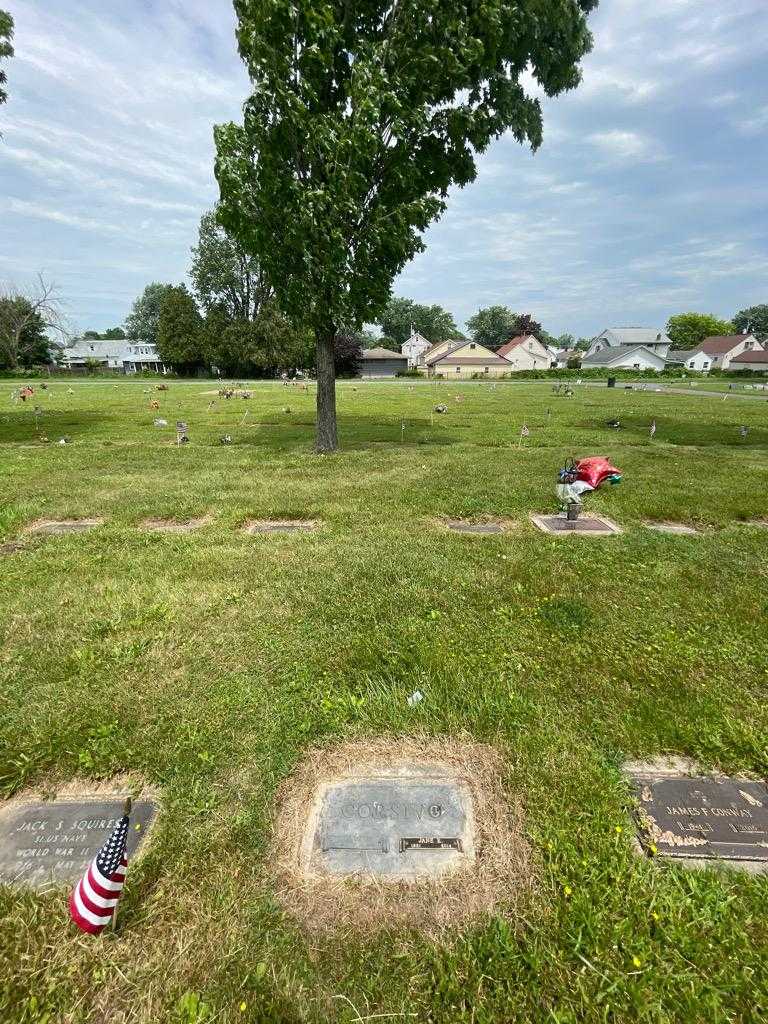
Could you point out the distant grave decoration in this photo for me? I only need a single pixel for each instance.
(254, 527)
(587, 525)
(60, 526)
(676, 529)
(686, 817)
(415, 832)
(46, 843)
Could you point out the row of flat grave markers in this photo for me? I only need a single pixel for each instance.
(408, 827)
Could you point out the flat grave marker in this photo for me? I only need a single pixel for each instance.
(52, 842)
(174, 525)
(395, 829)
(479, 529)
(58, 526)
(280, 526)
(703, 819)
(677, 529)
(586, 525)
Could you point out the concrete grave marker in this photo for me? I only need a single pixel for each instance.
(280, 526)
(587, 525)
(59, 526)
(703, 820)
(680, 529)
(408, 827)
(174, 525)
(481, 529)
(53, 842)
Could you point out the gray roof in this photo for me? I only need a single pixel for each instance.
(608, 355)
(636, 336)
(383, 353)
(681, 355)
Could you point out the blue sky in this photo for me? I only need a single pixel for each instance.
(647, 198)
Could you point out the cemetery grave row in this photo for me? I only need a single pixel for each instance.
(410, 812)
(587, 524)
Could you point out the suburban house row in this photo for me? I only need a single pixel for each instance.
(630, 348)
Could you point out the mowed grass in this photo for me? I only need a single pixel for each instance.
(206, 664)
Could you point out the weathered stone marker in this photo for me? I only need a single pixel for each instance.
(58, 526)
(482, 529)
(393, 828)
(699, 819)
(677, 529)
(588, 525)
(280, 526)
(53, 842)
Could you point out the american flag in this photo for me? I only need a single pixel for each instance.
(653, 428)
(94, 899)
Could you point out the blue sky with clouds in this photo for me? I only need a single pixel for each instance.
(648, 196)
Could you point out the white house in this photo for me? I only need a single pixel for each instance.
(415, 348)
(716, 352)
(525, 352)
(127, 356)
(629, 337)
(625, 357)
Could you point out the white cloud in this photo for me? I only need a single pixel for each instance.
(627, 145)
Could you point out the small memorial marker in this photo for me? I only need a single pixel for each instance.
(58, 526)
(481, 529)
(680, 529)
(392, 828)
(586, 525)
(53, 842)
(280, 526)
(703, 819)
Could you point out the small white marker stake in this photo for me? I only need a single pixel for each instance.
(242, 421)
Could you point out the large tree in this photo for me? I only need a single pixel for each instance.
(25, 318)
(492, 326)
(255, 348)
(362, 116)
(432, 322)
(687, 330)
(753, 320)
(6, 49)
(225, 275)
(143, 320)
(180, 331)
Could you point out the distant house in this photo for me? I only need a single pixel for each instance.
(415, 349)
(526, 352)
(128, 356)
(716, 352)
(625, 357)
(628, 338)
(459, 359)
(752, 359)
(381, 362)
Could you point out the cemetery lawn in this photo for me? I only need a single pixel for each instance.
(205, 664)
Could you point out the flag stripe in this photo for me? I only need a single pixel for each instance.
(82, 916)
(94, 897)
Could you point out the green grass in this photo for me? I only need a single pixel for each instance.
(206, 664)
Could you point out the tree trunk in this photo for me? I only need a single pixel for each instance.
(326, 437)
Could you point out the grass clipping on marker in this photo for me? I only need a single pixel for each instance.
(500, 875)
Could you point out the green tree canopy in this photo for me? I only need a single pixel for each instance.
(687, 330)
(255, 348)
(225, 275)
(433, 322)
(361, 118)
(23, 341)
(492, 326)
(753, 320)
(180, 341)
(6, 49)
(143, 320)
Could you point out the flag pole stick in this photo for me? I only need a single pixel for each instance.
(126, 812)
